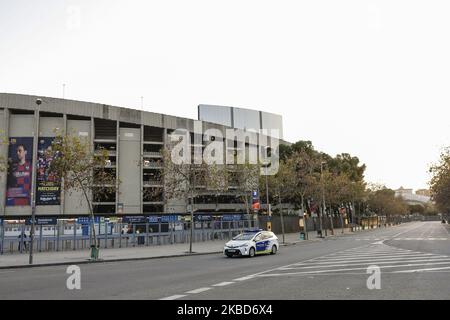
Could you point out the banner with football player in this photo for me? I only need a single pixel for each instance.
(20, 171)
(47, 184)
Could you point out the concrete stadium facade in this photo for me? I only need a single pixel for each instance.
(133, 139)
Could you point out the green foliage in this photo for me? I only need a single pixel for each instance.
(383, 201)
(440, 182)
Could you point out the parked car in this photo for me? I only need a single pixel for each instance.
(251, 243)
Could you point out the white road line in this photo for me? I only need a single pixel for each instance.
(222, 284)
(2, 272)
(199, 290)
(408, 230)
(350, 269)
(246, 278)
(367, 251)
(375, 257)
(365, 263)
(177, 296)
(348, 254)
(421, 270)
(371, 260)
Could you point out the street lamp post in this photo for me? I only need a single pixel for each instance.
(323, 198)
(267, 186)
(33, 194)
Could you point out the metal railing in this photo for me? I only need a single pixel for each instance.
(70, 236)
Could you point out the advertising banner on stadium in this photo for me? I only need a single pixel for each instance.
(20, 170)
(47, 184)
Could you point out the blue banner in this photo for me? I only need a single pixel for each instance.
(153, 219)
(134, 219)
(232, 217)
(87, 220)
(42, 221)
(169, 218)
(202, 217)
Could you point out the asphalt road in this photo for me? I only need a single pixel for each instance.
(413, 260)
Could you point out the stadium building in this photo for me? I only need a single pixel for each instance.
(134, 140)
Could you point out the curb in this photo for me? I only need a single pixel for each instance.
(23, 266)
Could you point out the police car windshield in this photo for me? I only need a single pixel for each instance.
(244, 236)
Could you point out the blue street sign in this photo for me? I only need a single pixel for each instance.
(153, 219)
(134, 219)
(255, 195)
(169, 218)
(87, 220)
(232, 217)
(42, 221)
(202, 217)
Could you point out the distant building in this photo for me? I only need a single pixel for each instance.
(423, 192)
(413, 198)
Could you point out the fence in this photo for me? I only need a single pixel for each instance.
(74, 236)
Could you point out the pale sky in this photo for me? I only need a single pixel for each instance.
(370, 78)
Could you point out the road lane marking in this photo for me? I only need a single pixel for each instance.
(199, 290)
(421, 270)
(383, 257)
(375, 260)
(365, 263)
(174, 297)
(222, 284)
(245, 278)
(348, 269)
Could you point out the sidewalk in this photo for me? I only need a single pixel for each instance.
(142, 253)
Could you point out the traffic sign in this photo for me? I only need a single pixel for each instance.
(41, 221)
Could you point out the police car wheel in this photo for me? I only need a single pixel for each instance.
(274, 249)
(251, 252)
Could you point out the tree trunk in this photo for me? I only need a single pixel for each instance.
(282, 220)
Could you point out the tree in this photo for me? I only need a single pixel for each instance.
(440, 182)
(344, 163)
(283, 185)
(186, 180)
(383, 202)
(246, 178)
(80, 168)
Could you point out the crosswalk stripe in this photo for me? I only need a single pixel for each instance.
(357, 259)
(420, 270)
(347, 269)
(374, 257)
(364, 263)
(374, 260)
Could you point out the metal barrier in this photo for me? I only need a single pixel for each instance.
(73, 236)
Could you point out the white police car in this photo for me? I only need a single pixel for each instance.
(252, 242)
